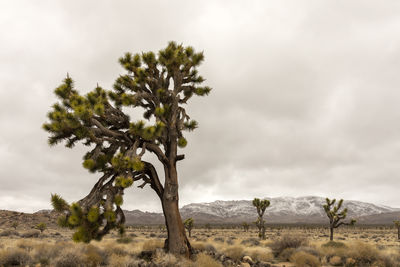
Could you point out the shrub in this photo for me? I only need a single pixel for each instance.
(286, 254)
(335, 244)
(203, 260)
(41, 226)
(336, 261)
(9, 232)
(43, 253)
(234, 252)
(285, 242)
(219, 239)
(125, 261)
(94, 256)
(260, 254)
(308, 250)
(124, 240)
(69, 258)
(25, 244)
(363, 253)
(112, 249)
(31, 234)
(152, 245)
(160, 258)
(250, 242)
(14, 257)
(303, 259)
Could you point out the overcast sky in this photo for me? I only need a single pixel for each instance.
(305, 96)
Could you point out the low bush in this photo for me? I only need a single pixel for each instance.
(14, 257)
(287, 241)
(9, 232)
(303, 259)
(124, 240)
(219, 239)
(364, 254)
(250, 242)
(204, 260)
(69, 258)
(234, 252)
(152, 245)
(260, 254)
(43, 253)
(334, 244)
(286, 254)
(26, 244)
(30, 234)
(94, 256)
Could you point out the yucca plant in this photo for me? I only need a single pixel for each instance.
(161, 84)
(261, 206)
(189, 223)
(336, 216)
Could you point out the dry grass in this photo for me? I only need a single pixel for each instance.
(234, 252)
(57, 250)
(204, 260)
(259, 254)
(303, 259)
(152, 244)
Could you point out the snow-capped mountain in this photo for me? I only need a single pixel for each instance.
(309, 205)
(282, 210)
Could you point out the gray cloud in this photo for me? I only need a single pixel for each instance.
(305, 98)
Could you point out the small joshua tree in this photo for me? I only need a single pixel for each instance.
(188, 223)
(397, 224)
(14, 225)
(261, 205)
(208, 226)
(41, 226)
(245, 226)
(336, 216)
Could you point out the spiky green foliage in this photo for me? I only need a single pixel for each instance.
(261, 206)
(41, 226)
(336, 215)
(158, 83)
(58, 203)
(189, 223)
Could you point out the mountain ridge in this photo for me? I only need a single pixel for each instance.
(283, 210)
(307, 209)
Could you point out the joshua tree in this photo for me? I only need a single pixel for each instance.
(261, 205)
(397, 224)
(161, 85)
(245, 226)
(188, 223)
(208, 226)
(41, 226)
(14, 225)
(335, 215)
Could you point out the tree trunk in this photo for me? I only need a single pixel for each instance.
(263, 232)
(331, 237)
(177, 242)
(398, 233)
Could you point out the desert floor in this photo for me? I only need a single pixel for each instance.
(142, 246)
